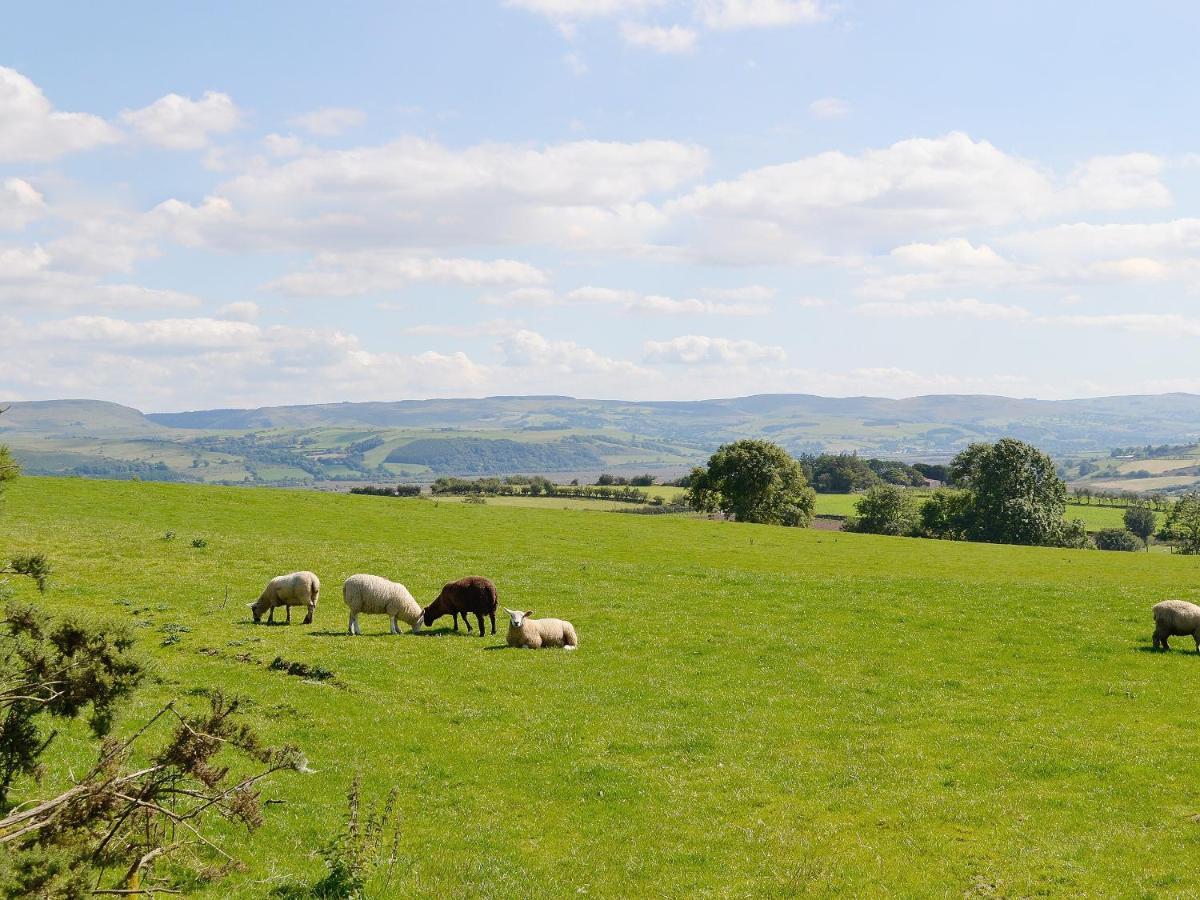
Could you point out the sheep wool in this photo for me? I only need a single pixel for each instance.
(1176, 617)
(296, 589)
(374, 595)
(533, 634)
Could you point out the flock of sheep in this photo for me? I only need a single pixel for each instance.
(373, 595)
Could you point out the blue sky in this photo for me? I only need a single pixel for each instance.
(246, 204)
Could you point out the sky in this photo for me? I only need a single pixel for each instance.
(231, 204)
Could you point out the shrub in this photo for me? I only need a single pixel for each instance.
(199, 543)
(886, 509)
(946, 514)
(1117, 539)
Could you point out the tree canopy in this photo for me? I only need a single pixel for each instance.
(753, 481)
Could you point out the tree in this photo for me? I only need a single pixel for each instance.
(839, 473)
(1182, 526)
(886, 509)
(753, 481)
(1141, 521)
(1117, 539)
(1018, 497)
(947, 514)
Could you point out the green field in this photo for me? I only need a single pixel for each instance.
(752, 711)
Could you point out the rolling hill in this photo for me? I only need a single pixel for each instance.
(421, 439)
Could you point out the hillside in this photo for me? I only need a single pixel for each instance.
(422, 439)
(873, 716)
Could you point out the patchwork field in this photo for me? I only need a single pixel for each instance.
(752, 711)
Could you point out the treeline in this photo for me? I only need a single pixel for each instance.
(846, 473)
(400, 490)
(483, 456)
(1152, 452)
(1086, 496)
(122, 469)
(537, 486)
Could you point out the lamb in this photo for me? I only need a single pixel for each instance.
(296, 589)
(535, 633)
(1176, 617)
(372, 594)
(467, 595)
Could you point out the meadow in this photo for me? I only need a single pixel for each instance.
(753, 711)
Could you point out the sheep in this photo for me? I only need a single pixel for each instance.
(1176, 617)
(467, 595)
(535, 633)
(296, 589)
(372, 594)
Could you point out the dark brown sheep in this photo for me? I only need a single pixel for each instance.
(467, 595)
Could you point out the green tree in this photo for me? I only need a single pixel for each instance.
(1182, 526)
(886, 509)
(1117, 539)
(1141, 521)
(947, 514)
(1018, 496)
(753, 481)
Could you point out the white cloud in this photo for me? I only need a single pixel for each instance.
(1163, 324)
(20, 203)
(329, 120)
(32, 131)
(833, 203)
(529, 297)
(30, 277)
(724, 14)
(650, 304)
(353, 273)
(750, 293)
(492, 327)
(829, 108)
(661, 39)
(180, 123)
(582, 9)
(694, 349)
(968, 307)
(241, 311)
(529, 349)
(281, 145)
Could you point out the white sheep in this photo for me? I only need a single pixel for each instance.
(372, 594)
(535, 633)
(296, 589)
(1176, 617)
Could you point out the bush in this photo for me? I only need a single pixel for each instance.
(946, 514)
(1072, 535)
(1117, 539)
(199, 543)
(886, 509)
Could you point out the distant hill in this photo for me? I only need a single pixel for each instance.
(420, 439)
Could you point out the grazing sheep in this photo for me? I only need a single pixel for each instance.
(296, 589)
(372, 594)
(536, 633)
(1176, 617)
(467, 595)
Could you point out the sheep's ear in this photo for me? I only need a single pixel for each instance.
(529, 612)
(249, 606)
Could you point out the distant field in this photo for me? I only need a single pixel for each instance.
(871, 717)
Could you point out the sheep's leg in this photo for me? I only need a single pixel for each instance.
(467, 622)
(483, 631)
(308, 618)
(455, 620)
(354, 626)
(289, 614)
(492, 616)
(271, 616)
(395, 630)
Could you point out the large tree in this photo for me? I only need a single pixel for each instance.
(886, 509)
(1141, 521)
(1017, 496)
(753, 481)
(1182, 526)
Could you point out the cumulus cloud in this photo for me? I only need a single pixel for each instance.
(725, 14)
(968, 307)
(30, 278)
(180, 123)
(31, 130)
(835, 203)
(20, 203)
(694, 349)
(529, 349)
(829, 108)
(329, 120)
(363, 272)
(661, 39)
(240, 311)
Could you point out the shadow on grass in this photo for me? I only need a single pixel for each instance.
(1150, 648)
(499, 647)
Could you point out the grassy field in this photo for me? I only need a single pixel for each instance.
(753, 711)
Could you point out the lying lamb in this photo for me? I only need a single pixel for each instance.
(371, 594)
(1176, 617)
(535, 633)
(296, 589)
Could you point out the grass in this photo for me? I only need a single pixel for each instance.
(753, 711)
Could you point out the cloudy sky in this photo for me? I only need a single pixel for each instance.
(235, 204)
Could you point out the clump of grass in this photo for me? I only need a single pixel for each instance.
(199, 543)
(301, 670)
(169, 536)
(173, 632)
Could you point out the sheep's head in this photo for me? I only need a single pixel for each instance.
(429, 614)
(516, 618)
(256, 611)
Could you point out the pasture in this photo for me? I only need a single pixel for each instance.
(752, 711)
